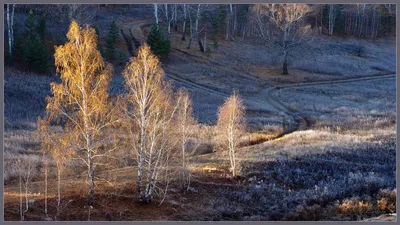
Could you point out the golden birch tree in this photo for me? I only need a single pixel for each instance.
(149, 112)
(80, 103)
(231, 125)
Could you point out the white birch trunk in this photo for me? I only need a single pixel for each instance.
(184, 22)
(156, 12)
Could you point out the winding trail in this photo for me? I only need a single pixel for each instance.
(300, 122)
(297, 121)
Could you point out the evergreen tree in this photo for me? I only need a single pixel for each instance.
(38, 56)
(41, 29)
(111, 41)
(30, 49)
(30, 24)
(158, 43)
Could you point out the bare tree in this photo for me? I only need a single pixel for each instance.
(168, 16)
(82, 13)
(289, 32)
(26, 168)
(229, 22)
(149, 112)
(186, 122)
(10, 28)
(184, 8)
(231, 124)
(200, 7)
(56, 142)
(196, 11)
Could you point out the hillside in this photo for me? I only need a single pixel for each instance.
(320, 142)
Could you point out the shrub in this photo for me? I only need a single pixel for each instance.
(215, 44)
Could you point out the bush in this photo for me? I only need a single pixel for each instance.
(215, 44)
(158, 43)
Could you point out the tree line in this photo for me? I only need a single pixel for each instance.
(284, 26)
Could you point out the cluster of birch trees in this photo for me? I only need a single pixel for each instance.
(83, 123)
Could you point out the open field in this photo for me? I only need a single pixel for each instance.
(320, 143)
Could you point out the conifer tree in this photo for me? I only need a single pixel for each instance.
(111, 41)
(159, 44)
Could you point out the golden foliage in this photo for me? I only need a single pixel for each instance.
(80, 103)
(231, 119)
(231, 125)
(149, 109)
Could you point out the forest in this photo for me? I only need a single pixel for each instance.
(200, 112)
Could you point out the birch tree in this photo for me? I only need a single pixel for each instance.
(156, 12)
(59, 145)
(190, 9)
(185, 123)
(331, 18)
(231, 125)
(168, 16)
(184, 8)
(26, 168)
(290, 33)
(149, 112)
(81, 99)
(10, 28)
(198, 14)
(175, 16)
(229, 22)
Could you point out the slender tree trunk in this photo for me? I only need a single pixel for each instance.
(58, 190)
(46, 167)
(26, 196)
(228, 22)
(191, 31)
(21, 212)
(12, 27)
(285, 54)
(156, 12)
(322, 23)
(168, 21)
(175, 17)
(142, 155)
(285, 62)
(184, 22)
(197, 28)
(88, 138)
(235, 21)
(91, 179)
(9, 32)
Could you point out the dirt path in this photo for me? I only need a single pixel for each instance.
(295, 119)
(301, 122)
